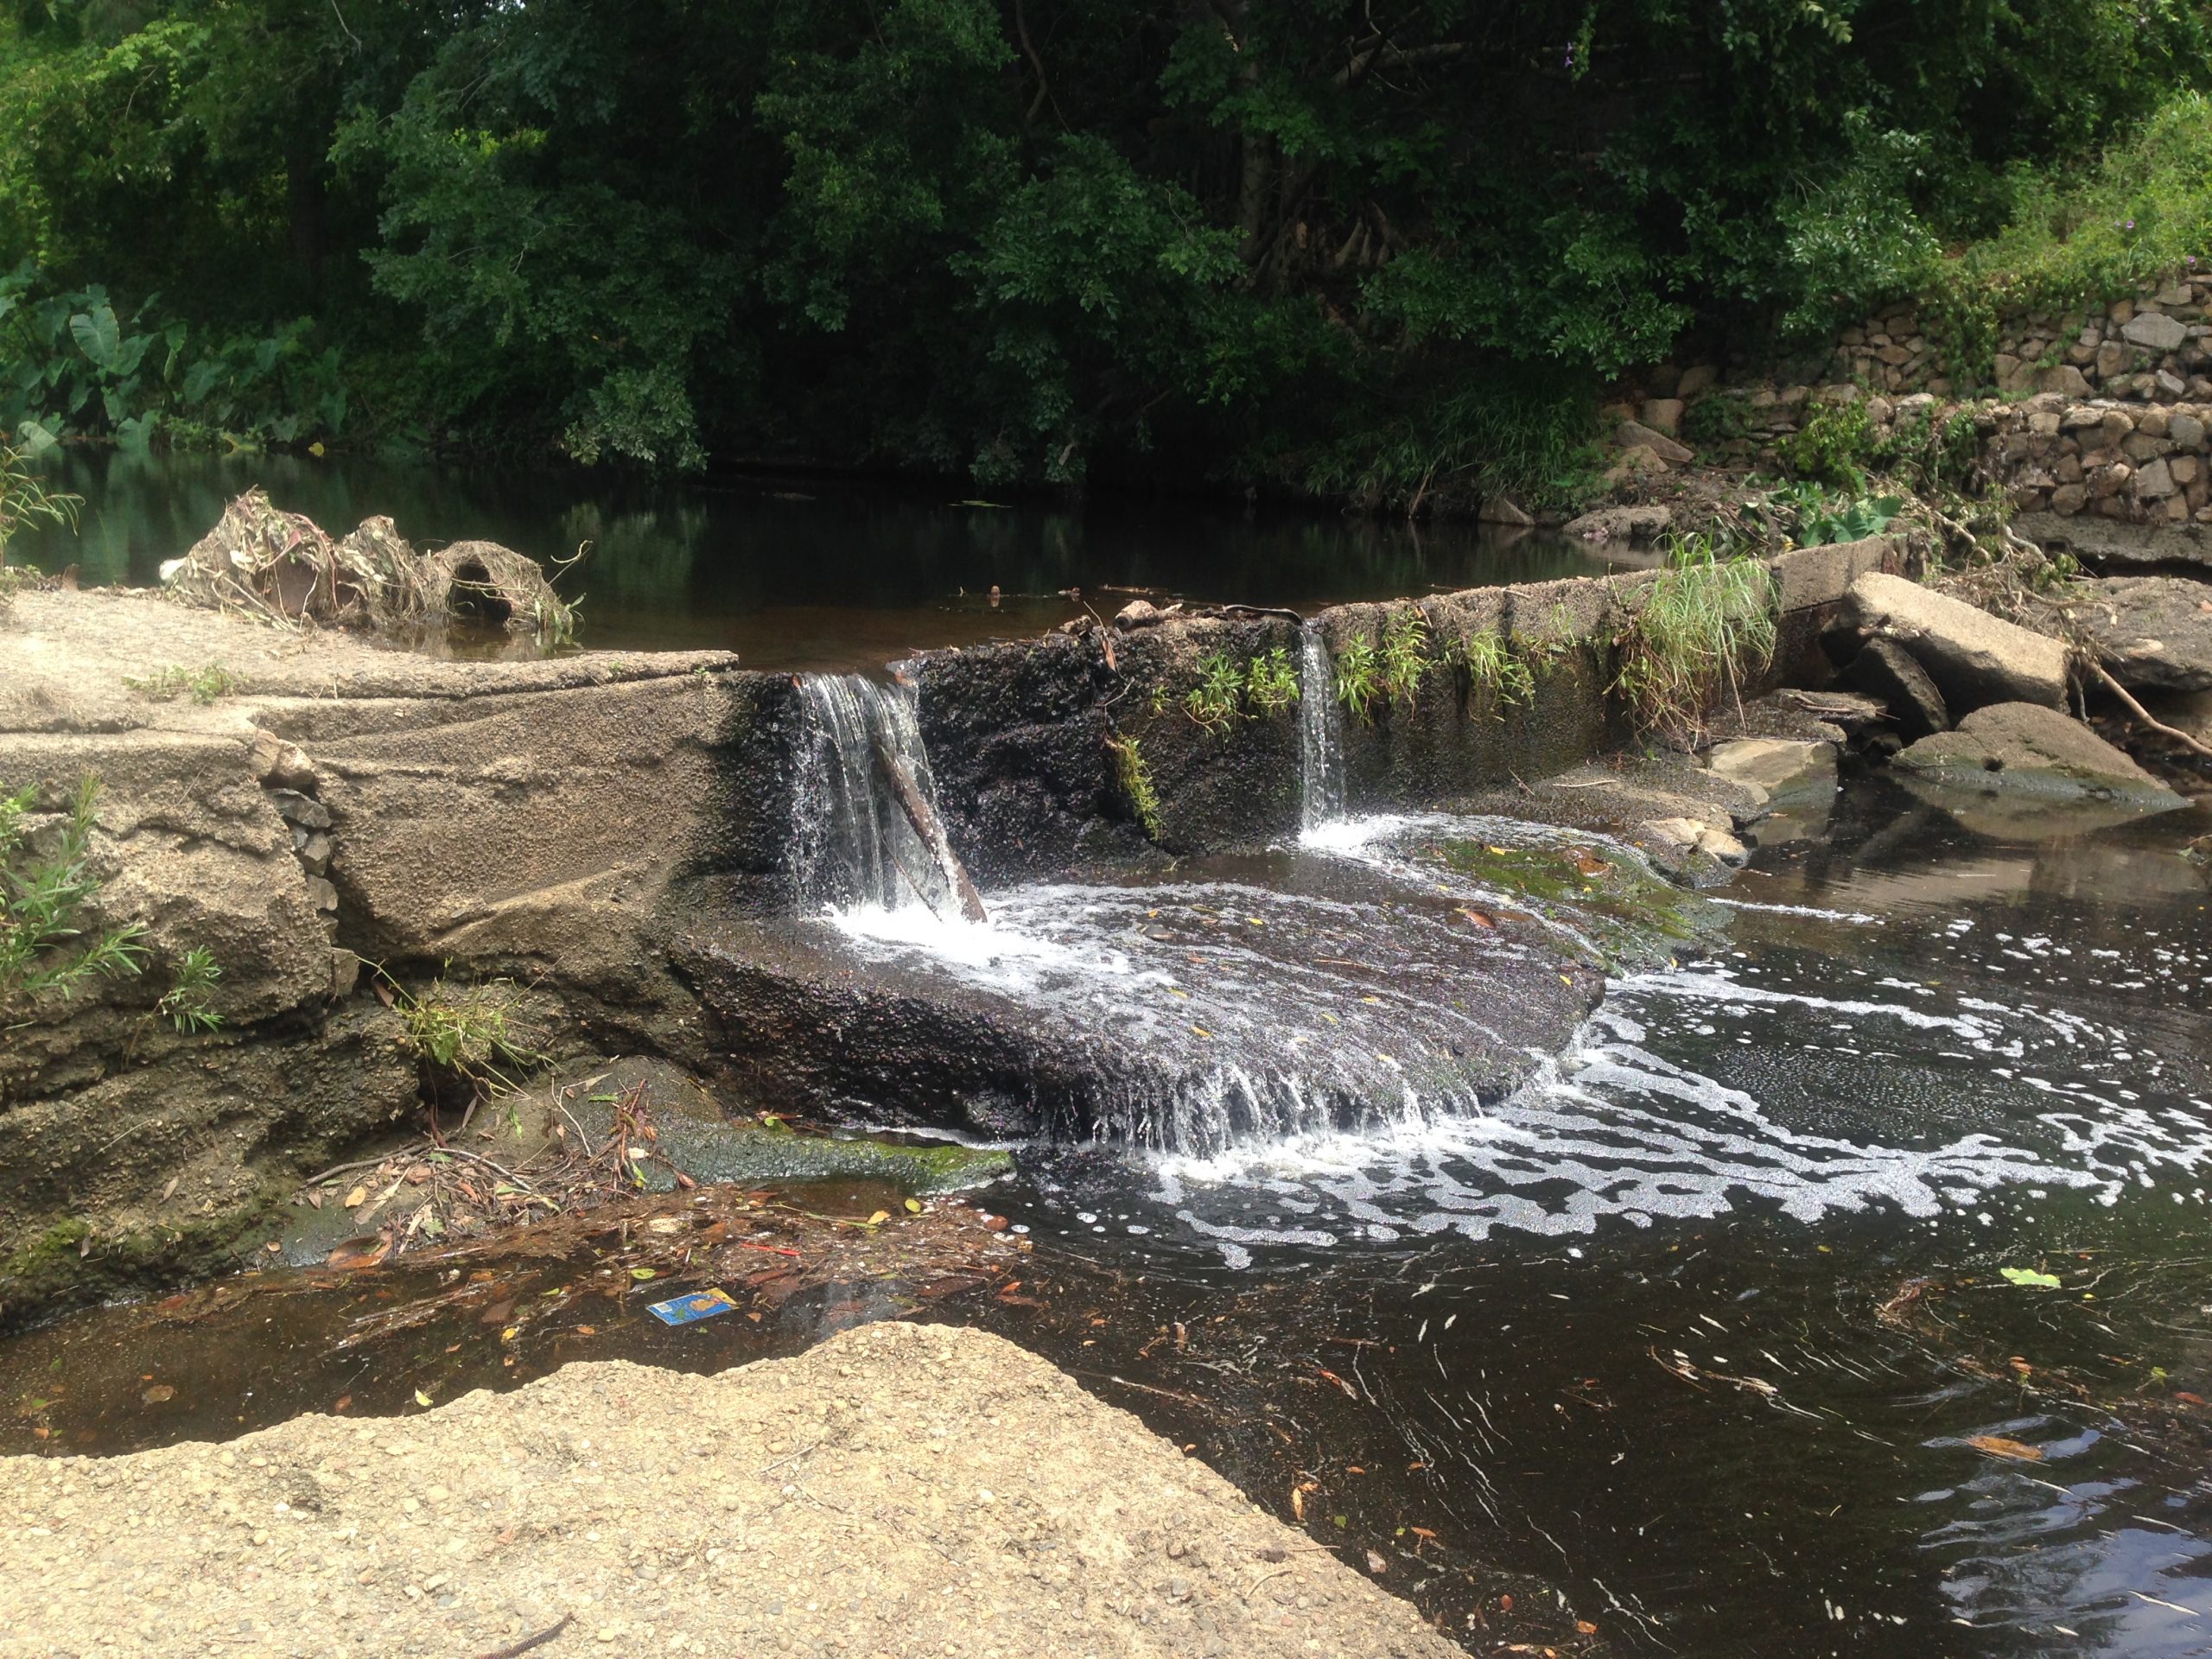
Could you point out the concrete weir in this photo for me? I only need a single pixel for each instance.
(629, 842)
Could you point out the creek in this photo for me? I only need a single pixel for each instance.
(1839, 1284)
(1708, 1323)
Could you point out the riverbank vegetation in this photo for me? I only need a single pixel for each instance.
(1387, 255)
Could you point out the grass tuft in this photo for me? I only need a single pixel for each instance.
(1137, 782)
(44, 948)
(1706, 623)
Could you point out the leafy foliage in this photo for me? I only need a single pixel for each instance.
(1215, 702)
(1380, 252)
(1404, 657)
(1271, 681)
(189, 1004)
(25, 499)
(1359, 677)
(1819, 520)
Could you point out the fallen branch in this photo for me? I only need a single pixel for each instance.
(2144, 714)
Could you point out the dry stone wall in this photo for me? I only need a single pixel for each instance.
(2153, 347)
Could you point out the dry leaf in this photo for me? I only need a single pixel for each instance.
(1376, 1564)
(1297, 1503)
(357, 1197)
(159, 1392)
(168, 1190)
(420, 1398)
(1998, 1446)
(879, 1218)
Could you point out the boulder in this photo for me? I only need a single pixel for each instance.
(1501, 510)
(1973, 657)
(1780, 766)
(2154, 333)
(2024, 748)
(1886, 670)
(1663, 415)
(2153, 633)
(2109, 542)
(1634, 525)
(1639, 435)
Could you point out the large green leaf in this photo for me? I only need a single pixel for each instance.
(97, 336)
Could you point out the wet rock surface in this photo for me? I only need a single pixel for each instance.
(2026, 749)
(869, 1494)
(1186, 1014)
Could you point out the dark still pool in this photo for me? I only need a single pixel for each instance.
(793, 576)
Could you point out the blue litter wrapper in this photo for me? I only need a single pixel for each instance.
(692, 1306)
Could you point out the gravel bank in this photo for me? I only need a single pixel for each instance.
(900, 1490)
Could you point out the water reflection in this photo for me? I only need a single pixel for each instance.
(822, 574)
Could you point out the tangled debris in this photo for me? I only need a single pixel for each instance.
(265, 562)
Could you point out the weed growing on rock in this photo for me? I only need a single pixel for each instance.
(474, 1033)
(1494, 668)
(1359, 668)
(189, 1004)
(1271, 683)
(1405, 657)
(203, 684)
(1137, 782)
(1816, 519)
(44, 949)
(1706, 623)
(1215, 701)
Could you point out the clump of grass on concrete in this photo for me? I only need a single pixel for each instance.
(1705, 625)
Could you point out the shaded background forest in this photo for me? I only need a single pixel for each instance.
(1345, 247)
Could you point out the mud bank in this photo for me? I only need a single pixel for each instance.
(884, 1494)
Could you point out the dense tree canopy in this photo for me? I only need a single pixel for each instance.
(1337, 242)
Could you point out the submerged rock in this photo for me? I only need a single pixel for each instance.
(2154, 633)
(1186, 1015)
(2026, 749)
(1780, 766)
(694, 1135)
(1975, 659)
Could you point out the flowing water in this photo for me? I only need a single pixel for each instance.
(1843, 1284)
(1320, 734)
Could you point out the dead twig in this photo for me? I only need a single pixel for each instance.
(2144, 714)
(513, 1648)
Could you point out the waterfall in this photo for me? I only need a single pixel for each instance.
(1321, 732)
(865, 829)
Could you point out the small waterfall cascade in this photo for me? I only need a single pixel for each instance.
(1321, 732)
(865, 820)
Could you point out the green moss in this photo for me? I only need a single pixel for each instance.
(1627, 915)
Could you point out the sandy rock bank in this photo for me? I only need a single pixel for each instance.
(901, 1490)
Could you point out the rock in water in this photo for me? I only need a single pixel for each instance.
(1886, 670)
(1780, 766)
(2026, 749)
(1975, 659)
(2154, 634)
